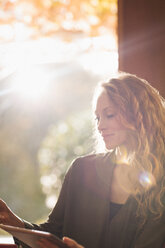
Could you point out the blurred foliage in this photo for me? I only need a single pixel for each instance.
(65, 141)
(19, 175)
(61, 17)
(24, 124)
(57, 128)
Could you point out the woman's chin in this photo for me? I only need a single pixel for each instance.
(110, 146)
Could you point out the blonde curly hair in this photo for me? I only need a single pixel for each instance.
(142, 111)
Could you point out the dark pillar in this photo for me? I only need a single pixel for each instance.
(141, 34)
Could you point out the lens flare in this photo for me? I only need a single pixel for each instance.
(146, 179)
(122, 156)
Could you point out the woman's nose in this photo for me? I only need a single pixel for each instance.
(101, 125)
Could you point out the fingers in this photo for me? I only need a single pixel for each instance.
(2, 209)
(72, 243)
(3, 218)
(2, 205)
(43, 243)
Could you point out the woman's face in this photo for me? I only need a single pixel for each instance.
(108, 122)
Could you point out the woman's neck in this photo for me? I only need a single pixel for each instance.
(124, 176)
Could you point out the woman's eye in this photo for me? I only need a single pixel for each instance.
(110, 116)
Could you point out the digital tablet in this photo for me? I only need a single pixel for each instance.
(31, 236)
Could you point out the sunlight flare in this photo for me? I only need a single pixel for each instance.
(31, 83)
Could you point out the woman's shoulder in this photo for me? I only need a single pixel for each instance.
(89, 159)
(91, 169)
(90, 163)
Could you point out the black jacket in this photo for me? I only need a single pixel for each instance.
(83, 209)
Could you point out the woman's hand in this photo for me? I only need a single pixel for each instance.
(48, 244)
(71, 243)
(7, 217)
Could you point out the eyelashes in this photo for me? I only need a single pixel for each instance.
(97, 118)
(110, 116)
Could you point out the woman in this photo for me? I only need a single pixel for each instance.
(116, 198)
